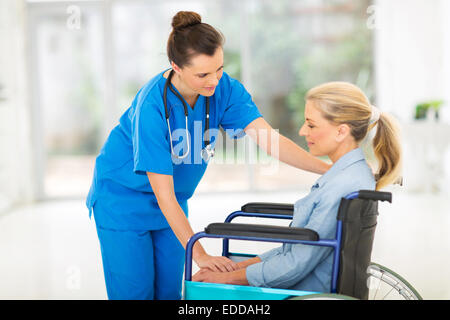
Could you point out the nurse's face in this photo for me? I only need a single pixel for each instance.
(203, 73)
(321, 135)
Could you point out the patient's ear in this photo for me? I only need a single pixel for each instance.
(342, 132)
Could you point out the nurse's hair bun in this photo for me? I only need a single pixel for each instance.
(184, 19)
(191, 37)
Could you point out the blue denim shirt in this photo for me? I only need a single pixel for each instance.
(302, 267)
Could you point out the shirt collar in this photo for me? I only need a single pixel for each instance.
(346, 160)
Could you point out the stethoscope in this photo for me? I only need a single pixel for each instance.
(208, 151)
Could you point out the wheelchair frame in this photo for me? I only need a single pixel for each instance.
(272, 234)
(334, 243)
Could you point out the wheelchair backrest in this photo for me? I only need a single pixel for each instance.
(359, 220)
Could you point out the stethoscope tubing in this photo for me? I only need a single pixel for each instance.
(206, 133)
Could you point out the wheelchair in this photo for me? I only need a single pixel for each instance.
(353, 275)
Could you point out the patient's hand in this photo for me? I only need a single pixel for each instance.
(234, 277)
(206, 275)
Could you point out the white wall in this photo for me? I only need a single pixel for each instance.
(15, 145)
(412, 50)
(412, 46)
(444, 15)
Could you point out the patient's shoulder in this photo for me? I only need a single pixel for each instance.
(357, 176)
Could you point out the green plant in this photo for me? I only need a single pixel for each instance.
(423, 108)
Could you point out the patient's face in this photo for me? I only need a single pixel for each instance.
(319, 132)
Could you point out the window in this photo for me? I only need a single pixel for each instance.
(91, 58)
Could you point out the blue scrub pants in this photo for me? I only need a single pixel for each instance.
(142, 265)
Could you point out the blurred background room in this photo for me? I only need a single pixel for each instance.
(69, 69)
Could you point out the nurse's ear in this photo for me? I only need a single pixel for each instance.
(343, 131)
(175, 68)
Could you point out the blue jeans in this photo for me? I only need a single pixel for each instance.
(142, 265)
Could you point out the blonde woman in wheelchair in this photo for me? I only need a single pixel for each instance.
(338, 116)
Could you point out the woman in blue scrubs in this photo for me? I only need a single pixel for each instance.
(150, 166)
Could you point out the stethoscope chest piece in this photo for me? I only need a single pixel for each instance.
(207, 152)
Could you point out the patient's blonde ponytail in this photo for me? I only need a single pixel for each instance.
(345, 103)
(386, 146)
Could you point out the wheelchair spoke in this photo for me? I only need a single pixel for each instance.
(376, 292)
(388, 293)
(387, 282)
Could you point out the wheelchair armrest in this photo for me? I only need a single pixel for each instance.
(262, 231)
(269, 208)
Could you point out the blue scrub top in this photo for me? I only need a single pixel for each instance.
(140, 143)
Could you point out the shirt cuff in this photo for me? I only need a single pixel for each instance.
(161, 168)
(254, 274)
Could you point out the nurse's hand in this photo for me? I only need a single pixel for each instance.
(216, 263)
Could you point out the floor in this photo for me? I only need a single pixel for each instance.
(50, 250)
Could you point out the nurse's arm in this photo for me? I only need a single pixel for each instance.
(282, 148)
(164, 191)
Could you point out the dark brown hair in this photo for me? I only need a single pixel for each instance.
(191, 37)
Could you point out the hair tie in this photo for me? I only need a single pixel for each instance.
(376, 113)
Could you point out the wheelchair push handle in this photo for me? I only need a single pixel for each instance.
(375, 195)
(287, 209)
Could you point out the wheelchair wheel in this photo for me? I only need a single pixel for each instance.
(385, 284)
